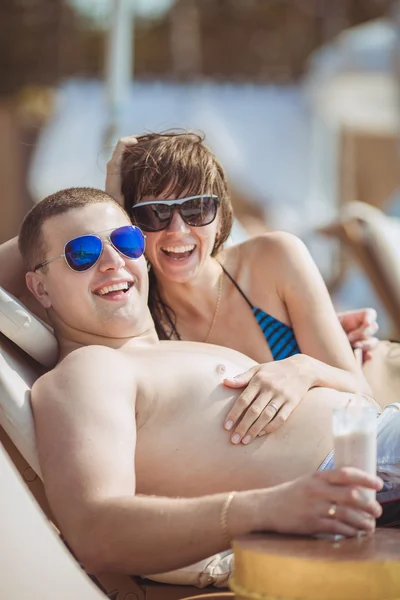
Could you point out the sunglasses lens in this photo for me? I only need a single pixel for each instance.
(199, 211)
(128, 240)
(152, 217)
(83, 252)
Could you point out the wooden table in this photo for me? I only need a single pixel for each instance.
(278, 567)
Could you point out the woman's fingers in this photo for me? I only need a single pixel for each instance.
(363, 333)
(354, 319)
(366, 345)
(360, 331)
(260, 419)
(124, 142)
(249, 417)
(245, 399)
(360, 327)
(367, 355)
(113, 175)
(269, 397)
(371, 316)
(239, 409)
(121, 146)
(243, 379)
(279, 418)
(276, 412)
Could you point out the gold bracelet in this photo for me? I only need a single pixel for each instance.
(224, 517)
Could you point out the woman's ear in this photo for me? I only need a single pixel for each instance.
(35, 284)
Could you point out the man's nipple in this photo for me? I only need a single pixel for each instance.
(221, 369)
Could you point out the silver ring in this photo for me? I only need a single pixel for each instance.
(273, 406)
(332, 510)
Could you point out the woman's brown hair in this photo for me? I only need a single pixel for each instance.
(173, 163)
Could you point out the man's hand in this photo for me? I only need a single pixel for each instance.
(273, 390)
(324, 502)
(360, 327)
(113, 176)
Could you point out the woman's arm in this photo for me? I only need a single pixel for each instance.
(273, 390)
(12, 277)
(305, 299)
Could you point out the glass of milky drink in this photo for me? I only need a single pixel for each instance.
(354, 432)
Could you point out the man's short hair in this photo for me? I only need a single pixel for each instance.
(31, 242)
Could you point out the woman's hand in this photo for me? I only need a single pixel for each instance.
(273, 390)
(360, 327)
(113, 176)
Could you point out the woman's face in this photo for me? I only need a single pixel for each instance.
(179, 252)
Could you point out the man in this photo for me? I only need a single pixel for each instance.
(123, 414)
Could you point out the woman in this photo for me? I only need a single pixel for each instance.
(264, 297)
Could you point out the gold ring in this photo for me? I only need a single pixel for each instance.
(332, 510)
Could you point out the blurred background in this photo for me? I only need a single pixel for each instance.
(299, 99)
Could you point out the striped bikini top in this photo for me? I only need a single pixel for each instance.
(280, 337)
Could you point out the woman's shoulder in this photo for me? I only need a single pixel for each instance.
(262, 266)
(260, 249)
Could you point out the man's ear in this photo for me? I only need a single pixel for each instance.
(35, 284)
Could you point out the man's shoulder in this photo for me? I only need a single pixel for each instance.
(87, 358)
(84, 367)
(95, 351)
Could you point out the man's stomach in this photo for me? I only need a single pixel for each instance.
(183, 449)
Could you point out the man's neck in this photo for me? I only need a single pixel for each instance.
(69, 341)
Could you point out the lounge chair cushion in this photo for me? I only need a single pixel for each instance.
(16, 379)
(382, 234)
(27, 331)
(373, 239)
(214, 570)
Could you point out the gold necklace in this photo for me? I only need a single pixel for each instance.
(221, 280)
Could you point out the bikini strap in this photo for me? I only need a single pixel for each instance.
(237, 286)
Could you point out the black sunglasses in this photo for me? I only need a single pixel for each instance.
(156, 215)
(83, 252)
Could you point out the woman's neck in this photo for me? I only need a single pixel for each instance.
(194, 299)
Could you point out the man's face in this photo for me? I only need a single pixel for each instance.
(84, 301)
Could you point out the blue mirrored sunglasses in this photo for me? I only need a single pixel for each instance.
(83, 252)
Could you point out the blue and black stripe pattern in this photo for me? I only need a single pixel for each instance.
(280, 337)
